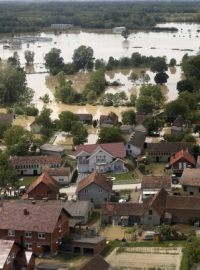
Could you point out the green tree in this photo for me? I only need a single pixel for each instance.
(172, 62)
(161, 77)
(83, 58)
(192, 251)
(7, 172)
(184, 85)
(128, 117)
(66, 93)
(67, 120)
(29, 57)
(110, 134)
(175, 108)
(125, 34)
(14, 60)
(159, 65)
(145, 104)
(3, 128)
(53, 61)
(79, 133)
(189, 99)
(44, 118)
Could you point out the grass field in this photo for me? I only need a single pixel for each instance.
(26, 180)
(123, 178)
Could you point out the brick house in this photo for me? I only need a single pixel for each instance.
(13, 256)
(37, 227)
(163, 151)
(190, 181)
(108, 120)
(44, 187)
(105, 157)
(97, 263)
(35, 165)
(95, 188)
(151, 184)
(181, 160)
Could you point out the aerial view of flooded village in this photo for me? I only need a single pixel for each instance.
(99, 135)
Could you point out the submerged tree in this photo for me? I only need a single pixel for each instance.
(29, 57)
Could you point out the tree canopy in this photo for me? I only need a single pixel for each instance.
(110, 134)
(128, 117)
(83, 58)
(53, 61)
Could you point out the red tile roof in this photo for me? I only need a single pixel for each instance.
(156, 182)
(183, 202)
(158, 201)
(24, 160)
(191, 177)
(98, 179)
(96, 263)
(24, 216)
(182, 155)
(62, 171)
(123, 209)
(46, 179)
(114, 149)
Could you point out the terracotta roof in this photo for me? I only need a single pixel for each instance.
(84, 116)
(114, 149)
(169, 147)
(178, 122)
(96, 263)
(183, 202)
(158, 201)
(98, 179)
(6, 118)
(62, 171)
(30, 217)
(182, 155)
(156, 182)
(123, 209)
(190, 177)
(36, 160)
(46, 179)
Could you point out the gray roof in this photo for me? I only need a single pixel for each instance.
(78, 208)
(137, 139)
(169, 147)
(5, 248)
(51, 147)
(6, 118)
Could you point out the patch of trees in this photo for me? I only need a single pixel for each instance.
(118, 99)
(110, 134)
(8, 175)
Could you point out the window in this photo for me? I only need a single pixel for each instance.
(150, 212)
(11, 233)
(41, 235)
(184, 188)
(28, 246)
(100, 190)
(28, 234)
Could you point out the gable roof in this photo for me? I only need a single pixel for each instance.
(182, 155)
(191, 177)
(178, 122)
(61, 171)
(183, 202)
(138, 137)
(156, 182)
(123, 209)
(97, 263)
(6, 118)
(46, 179)
(98, 179)
(114, 149)
(158, 201)
(30, 217)
(111, 116)
(169, 147)
(77, 208)
(24, 160)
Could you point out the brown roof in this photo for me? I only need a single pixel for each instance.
(156, 182)
(169, 147)
(84, 116)
(114, 149)
(182, 155)
(96, 263)
(46, 179)
(178, 122)
(98, 179)
(6, 118)
(123, 209)
(25, 216)
(110, 117)
(191, 177)
(62, 171)
(183, 202)
(158, 201)
(36, 160)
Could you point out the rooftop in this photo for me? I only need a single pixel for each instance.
(178, 122)
(123, 209)
(62, 171)
(97, 263)
(191, 177)
(183, 202)
(51, 147)
(78, 208)
(156, 182)
(182, 155)
(170, 147)
(24, 160)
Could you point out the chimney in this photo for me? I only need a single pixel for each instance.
(26, 213)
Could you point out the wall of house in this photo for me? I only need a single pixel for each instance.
(34, 169)
(62, 179)
(132, 150)
(183, 216)
(150, 218)
(96, 247)
(100, 157)
(95, 194)
(116, 220)
(118, 166)
(180, 165)
(160, 157)
(42, 191)
(193, 191)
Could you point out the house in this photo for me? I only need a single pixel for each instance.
(97, 263)
(190, 181)
(181, 160)
(163, 151)
(108, 120)
(85, 118)
(6, 118)
(80, 211)
(51, 266)
(13, 256)
(151, 184)
(126, 129)
(62, 175)
(178, 125)
(95, 188)
(43, 187)
(50, 149)
(34, 165)
(135, 145)
(38, 227)
(35, 127)
(107, 157)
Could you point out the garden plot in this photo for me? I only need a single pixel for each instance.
(146, 258)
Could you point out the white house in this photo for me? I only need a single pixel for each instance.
(102, 158)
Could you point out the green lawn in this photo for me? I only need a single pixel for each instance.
(123, 178)
(26, 180)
